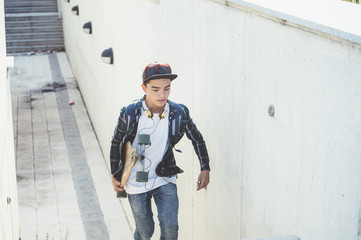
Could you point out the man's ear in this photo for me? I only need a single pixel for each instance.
(144, 87)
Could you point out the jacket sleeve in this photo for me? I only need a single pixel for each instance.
(116, 145)
(198, 142)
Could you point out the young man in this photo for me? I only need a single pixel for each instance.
(154, 125)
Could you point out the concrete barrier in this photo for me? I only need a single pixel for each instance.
(9, 223)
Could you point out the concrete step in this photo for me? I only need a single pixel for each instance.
(35, 36)
(28, 24)
(26, 9)
(26, 1)
(30, 27)
(34, 29)
(29, 42)
(26, 49)
(34, 42)
(30, 3)
(35, 48)
(26, 17)
(32, 6)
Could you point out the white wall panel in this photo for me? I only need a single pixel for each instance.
(294, 173)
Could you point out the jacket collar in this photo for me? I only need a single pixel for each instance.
(138, 104)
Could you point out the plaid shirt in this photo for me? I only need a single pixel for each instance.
(180, 122)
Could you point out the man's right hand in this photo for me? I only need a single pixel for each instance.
(116, 185)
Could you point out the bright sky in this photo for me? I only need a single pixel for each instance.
(338, 14)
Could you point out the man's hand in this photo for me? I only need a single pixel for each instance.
(116, 185)
(203, 180)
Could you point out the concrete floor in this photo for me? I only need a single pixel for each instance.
(64, 184)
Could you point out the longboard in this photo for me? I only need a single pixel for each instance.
(130, 157)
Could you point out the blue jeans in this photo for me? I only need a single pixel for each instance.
(166, 199)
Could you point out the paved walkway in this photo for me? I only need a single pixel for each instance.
(63, 182)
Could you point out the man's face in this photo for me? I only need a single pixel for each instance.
(157, 91)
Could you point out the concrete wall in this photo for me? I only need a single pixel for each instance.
(9, 222)
(297, 173)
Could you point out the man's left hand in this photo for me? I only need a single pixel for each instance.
(203, 180)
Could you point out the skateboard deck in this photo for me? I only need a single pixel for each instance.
(130, 157)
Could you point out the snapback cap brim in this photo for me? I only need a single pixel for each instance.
(159, 76)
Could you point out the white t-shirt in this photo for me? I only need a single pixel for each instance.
(158, 130)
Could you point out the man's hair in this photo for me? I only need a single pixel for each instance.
(146, 83)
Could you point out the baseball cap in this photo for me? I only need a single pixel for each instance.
(157, 70)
